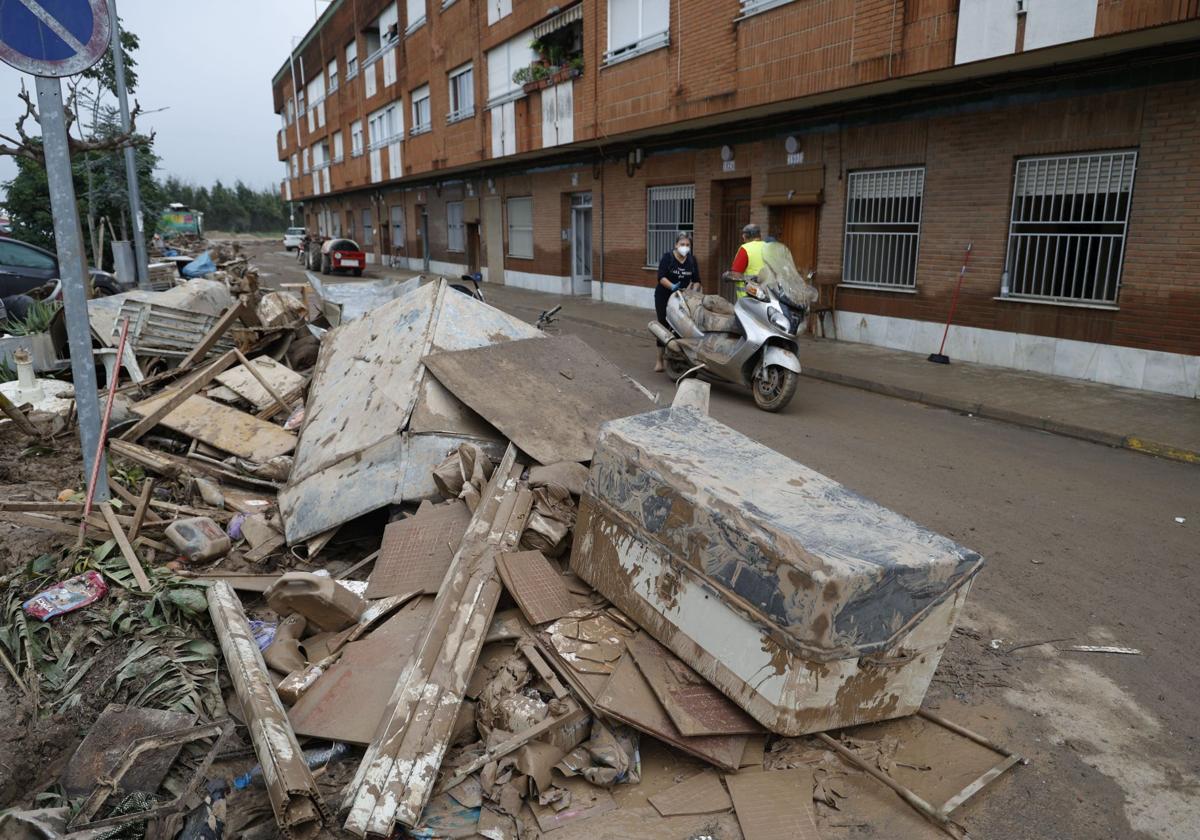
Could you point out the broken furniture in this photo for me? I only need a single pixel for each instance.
(808, 605)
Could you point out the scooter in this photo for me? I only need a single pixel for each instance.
(752, 342)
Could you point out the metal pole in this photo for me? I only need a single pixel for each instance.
(72, 266)
(131, 175)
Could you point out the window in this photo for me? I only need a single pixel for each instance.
(636, 26)
(351, 59)
(751, 7)
(1066, 238)
(289, 112)
(420, 110)
(368, 226)
(397, 216)
(382, 33)
(504, 129)
(338, 150)
(520, 228)
(462, 93)
(668, 211)
(333, 75)
(456, 231)
(416, 14)
(558, 114)
(16, 255)
(356, 138)
(498, 10)
(505, 60)
(883, 227)
(349, 224)
(295, 165)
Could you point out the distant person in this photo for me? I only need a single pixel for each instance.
(748, 261)
(676, 270)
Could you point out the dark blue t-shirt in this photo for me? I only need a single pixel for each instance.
(685, 273)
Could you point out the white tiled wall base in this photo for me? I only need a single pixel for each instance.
(550, 283)
(641, 296)
(1149, 370)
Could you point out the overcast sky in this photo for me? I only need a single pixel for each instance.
(209, 63)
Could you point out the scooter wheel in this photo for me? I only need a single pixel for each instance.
(778, 389)
(677, 366)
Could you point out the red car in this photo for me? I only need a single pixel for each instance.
(342, 255)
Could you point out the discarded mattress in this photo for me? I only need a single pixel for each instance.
(376, 422)
(808, 605)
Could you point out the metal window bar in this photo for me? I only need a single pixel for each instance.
(883, 227)
(1070, 216)
(668, 211)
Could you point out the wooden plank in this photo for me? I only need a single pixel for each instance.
(219, 329)
(221, 426)
(135, 565)
(44, 522)
(75, 508)
(253, 370)
(143, 505)
(164, 404)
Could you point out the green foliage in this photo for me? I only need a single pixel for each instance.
(37, 320)
(105, 73)
(236, 209)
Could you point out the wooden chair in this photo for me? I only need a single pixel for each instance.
(826, 304)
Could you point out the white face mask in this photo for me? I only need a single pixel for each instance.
(683, 250)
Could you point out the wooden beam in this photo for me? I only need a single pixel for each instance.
(185, 391)
(18, 417)
(135, 565)
(219, 329)
(44, 522)
(74, 508)
(253, 370)
(143, 504)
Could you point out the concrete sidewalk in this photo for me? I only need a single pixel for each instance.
(1143, 421)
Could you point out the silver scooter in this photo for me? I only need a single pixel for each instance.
(752, 342)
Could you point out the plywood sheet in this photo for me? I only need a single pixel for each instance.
(108, 741)
(283, 379)
(348, 701)
(628, 698)
(701, 794)
(548, 395)
(587, 801)
(416, 552)
(775, 805)
(224, 427)
(692, 703)
(538, 587)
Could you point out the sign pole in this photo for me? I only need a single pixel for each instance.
(72, 262)
(131, 173)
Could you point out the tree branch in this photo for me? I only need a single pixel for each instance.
(30, 148)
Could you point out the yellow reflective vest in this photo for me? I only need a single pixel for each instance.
(754, 264)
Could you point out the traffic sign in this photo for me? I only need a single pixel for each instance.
(53, 37)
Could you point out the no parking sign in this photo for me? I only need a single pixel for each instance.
(53, 37)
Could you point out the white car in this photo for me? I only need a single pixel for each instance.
(293, 238)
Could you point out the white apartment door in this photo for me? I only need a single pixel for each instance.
(581, 244)
(493, 232)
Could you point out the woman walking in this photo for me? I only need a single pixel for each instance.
(676, 270)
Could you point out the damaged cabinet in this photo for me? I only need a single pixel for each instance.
(808, 605)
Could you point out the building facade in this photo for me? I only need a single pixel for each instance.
(561, 147)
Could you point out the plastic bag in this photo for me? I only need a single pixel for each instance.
(202, 266)
(65, 597)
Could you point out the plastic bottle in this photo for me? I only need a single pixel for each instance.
(320, 599)
(199, 539)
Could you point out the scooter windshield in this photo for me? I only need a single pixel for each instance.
(779, 274)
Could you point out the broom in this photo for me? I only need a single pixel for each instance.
(940, 357)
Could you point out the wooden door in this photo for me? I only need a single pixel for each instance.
(493, 233)
(735, 214)
(796, 227)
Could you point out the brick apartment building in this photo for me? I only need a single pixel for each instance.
(559, 146)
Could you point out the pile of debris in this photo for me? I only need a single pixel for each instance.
(465, 580)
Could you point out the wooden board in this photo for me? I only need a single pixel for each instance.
(283, 379)
(627, 697)
(416, 552)
(692, 703)
(548, 395)
(538, 587)
(774, 806)
(700, 794)
(224, 427)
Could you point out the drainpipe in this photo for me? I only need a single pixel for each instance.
(601, 228)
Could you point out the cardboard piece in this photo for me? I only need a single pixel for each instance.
(224, 427)
(416, 552)
(557, 392)
(627, 697)
(587, 645)
(701, 794)
(536, 584)
(587, 801)
(775, 805)
(108, 741)
(361, 680)
(694, 706)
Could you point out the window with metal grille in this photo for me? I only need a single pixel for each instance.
(668, 211)
(520, 228)
(1066, 237)
(456, 231)
(883, 227)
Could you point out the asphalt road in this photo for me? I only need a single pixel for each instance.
(1083, 547)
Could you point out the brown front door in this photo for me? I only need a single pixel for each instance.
(735, 214)
(796, 227)
(473, 246)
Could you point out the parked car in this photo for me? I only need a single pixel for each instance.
(342, 255)
(25, 268)
(293, 238)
